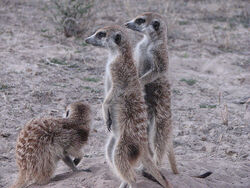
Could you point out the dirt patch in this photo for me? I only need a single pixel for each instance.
(41, 71)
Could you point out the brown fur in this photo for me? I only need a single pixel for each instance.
(152, 62)
(125, 106)
(42, 142)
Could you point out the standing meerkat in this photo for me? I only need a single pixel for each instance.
(124, 109)
(151, 55)
(44, 141)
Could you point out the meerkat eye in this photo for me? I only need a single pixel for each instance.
(140, 21)
(67, 113)
(101, 34)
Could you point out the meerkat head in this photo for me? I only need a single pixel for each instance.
(111, 37)
(148, 23)
(77, 109)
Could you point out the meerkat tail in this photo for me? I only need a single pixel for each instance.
(150, 177)
(162, 146)
(123, 165)
(206, 174)
(20, 182)
(153, 171)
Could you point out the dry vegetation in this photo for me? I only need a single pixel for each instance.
(41, 71)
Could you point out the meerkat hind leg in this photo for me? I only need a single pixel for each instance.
(160, 148)
(163, 144)
(77, 159)
(160, 143)
(171, 158)
(110, 149)
(151, 130)
(44, 178)
(21, 181)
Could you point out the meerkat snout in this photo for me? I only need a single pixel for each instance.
(97, 39)
(137, 24)
(105, 38)
(90, 40)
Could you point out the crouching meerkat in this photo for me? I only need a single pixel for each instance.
(151, 55)
(44, 141)
(124, 109)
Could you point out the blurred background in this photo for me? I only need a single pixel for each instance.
(45, 64)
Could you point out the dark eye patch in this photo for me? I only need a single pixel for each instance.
(101, 34)
(156, 25)
(140, 21)
(118, 39)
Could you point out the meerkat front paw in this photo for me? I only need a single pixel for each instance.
(107, 116)
(141, 80)
(109, 121)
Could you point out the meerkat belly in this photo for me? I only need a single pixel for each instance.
(156, 91)
(145, 65)
(133, 113)
(158, 100)
(107, 81)
(115, 114)
(141, 57)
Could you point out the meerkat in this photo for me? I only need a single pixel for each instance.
(151, 56)
(44, 141)
(125, 107)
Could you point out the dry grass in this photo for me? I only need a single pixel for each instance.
(42, 70)
(73, 16)
(224, 115)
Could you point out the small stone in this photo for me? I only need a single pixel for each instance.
(180, 133)
(5, 135)
(29, 70)
(244, 156)
(230, 152)
(38, 73)
(210, 147)
(203, 138)
(203, 148)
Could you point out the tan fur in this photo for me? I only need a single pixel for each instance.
(152, 61)
(124, 106)
(44, 141)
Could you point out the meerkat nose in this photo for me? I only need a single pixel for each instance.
(87, 40)
(130, 25)
(127, 24)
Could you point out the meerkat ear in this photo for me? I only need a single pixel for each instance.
(118, 38)
(156, 25)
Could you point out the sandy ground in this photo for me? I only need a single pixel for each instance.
(209, 47)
